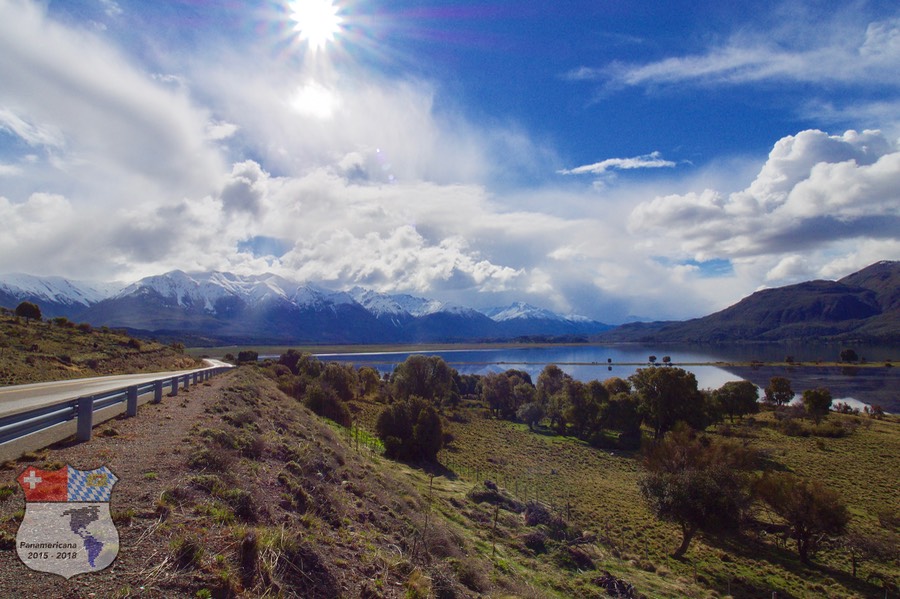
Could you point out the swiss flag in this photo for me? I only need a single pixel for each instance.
(45, 485)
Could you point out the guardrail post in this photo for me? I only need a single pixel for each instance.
(157, 391)
(174, 386)
(85, 418)
(196, 377)
(187, 381)
(131, 401)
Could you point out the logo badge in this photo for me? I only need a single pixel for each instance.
(67, 529)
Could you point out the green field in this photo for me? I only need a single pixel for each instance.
(597, 489)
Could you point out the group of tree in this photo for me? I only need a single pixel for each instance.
(709, 485)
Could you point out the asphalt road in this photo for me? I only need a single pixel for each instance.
(21, 398)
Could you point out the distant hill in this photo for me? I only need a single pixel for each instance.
(217, 308)
(864, 306)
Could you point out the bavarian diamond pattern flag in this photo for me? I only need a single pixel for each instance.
(67, 529)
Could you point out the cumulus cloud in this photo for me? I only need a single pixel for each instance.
(652, 160)
(814, 192)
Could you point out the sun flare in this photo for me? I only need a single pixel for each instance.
(315, 21)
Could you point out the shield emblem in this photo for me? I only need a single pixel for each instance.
(67, 528)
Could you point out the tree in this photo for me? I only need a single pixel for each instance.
(28, 310)
(652, 359)
(531, 414)
(368, 380)
(738, 398)
(862, 547)
(697, 483)
(817, 402)
(669, 395)
(342, 378)
(496, 393)
(849, 355)
(616, 385)
(410, 429)
(811, 510)
(247, 355)
(428, 377)
(779, 391)
(550, 382)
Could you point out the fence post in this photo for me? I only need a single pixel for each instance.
(131, 401)
(85, 418)
(157, 391)
(174, 386)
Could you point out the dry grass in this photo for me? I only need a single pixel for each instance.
(32, 351)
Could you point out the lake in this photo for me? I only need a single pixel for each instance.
(857, 386)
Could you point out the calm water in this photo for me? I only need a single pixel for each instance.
(856, 386)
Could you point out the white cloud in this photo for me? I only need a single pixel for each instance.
(814, 193)
(9, 170)
(652, 160)
(847, 54)
(70, 91)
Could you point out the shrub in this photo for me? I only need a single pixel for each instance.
(85, 327)
(326, 404)
(410, 430)
(247, 356)
(187, 552)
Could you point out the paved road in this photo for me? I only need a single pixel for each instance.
(20, 398)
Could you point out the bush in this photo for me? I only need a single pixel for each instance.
(326, 404)
(410, 430)
(247, 356)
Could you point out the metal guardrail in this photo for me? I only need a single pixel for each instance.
(19, 426)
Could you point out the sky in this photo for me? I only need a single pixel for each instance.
(616, 160)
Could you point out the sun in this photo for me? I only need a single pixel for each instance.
(316, 21)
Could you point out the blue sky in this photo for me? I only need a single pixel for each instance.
(600, 158)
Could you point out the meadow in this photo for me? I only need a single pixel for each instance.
(597, 490)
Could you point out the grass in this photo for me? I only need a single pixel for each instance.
(39, 351)
(597, 490)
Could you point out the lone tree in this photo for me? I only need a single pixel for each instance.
(697, 483)
(28, 310)
(738, 398)
(779, 391)
(817, 403)
(811, 510)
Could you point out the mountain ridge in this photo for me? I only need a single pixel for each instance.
(225, 307)
(861, 307)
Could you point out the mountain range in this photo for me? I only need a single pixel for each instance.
(221, 308)
(861, 307)
(217, 308)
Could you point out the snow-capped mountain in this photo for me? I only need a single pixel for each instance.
(56, 295)
(521, 310)
(218, 306)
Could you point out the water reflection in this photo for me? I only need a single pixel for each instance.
(855, 385)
